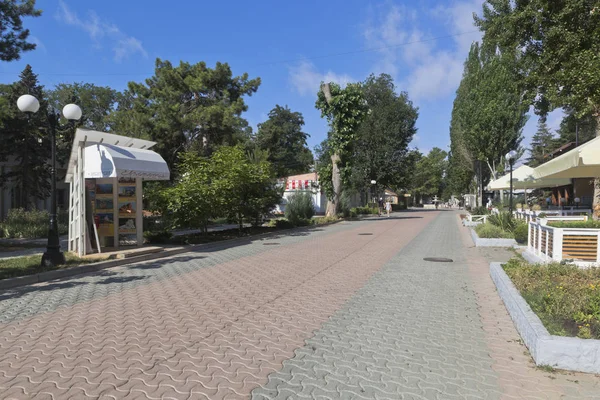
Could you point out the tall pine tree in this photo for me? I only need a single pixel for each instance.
(25, 143)
(541, 144)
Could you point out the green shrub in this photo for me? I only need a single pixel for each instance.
(280, 223)
(324, 220)
(489, 231)
(503, 220)
(300, 206)
(398, 207)
(31, 224)
(536, 207)
(518, 206)
(521, 232)
(590, 224)
(157, 237)
(566, 298)
(480, 211)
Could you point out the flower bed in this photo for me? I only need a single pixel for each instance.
(563, 352)
(565, 298)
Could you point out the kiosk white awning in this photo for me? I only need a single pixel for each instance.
(108, 161)
(108, 155)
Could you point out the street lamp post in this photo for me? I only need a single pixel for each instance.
(29, 104)
(510, 157)
(373, 183)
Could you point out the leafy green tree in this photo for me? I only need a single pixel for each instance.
(558, 47)
(488, 115)
(25, 145)
(191, 201)
(575, 129)
(13, 37)
(345, 109)
(189, 107)
(243, 189)
(541, 144)
(430, 173)
(381, 145)
(282, 136)
(97, 104)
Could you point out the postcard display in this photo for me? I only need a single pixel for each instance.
(117, 214)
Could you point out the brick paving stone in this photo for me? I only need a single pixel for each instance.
(420, 330)
(208, 325)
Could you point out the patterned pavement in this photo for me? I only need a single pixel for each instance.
(345, 311)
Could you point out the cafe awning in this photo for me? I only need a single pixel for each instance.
(524, 178)
(581, 162)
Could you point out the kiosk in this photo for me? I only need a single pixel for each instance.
(105, 173)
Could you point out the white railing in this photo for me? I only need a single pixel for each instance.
(477, 218)
(558, 244)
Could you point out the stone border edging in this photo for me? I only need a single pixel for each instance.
(561, 352)
(491, 242)
(10, 283)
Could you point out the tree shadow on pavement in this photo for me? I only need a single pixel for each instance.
(68, 283)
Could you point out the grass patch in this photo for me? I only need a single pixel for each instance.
(564, 297)
(489, 231)
(29, 265)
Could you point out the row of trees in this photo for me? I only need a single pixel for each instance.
(195, 114)
(184, 109)
(539, 53)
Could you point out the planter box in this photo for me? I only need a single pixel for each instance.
(561, 352)
(557, 244)
(491, 242)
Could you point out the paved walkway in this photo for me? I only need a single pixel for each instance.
(345, 311)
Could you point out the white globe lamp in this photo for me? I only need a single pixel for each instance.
(72, 112)
(28, 104)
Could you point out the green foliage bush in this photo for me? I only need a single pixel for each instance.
(157, 237)
(32, 224)
(365, 210)
(280, 223)
(489, 231)
(590, 224)
(503, 220)
(536, 207)
(480, 211)
(566, 298)
(398, 207)
(521, 232)
(299, 207)
(324, 220)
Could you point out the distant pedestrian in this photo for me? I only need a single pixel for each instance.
(380, 208)
(388, 208)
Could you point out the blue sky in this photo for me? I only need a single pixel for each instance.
(291, 47)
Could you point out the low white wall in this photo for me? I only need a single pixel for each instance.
(568, 353)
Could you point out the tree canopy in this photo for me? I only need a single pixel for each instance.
(13, 36)
(488, 117)
(382, 139)
(282, 137)
(26, 145)
(557, 46)
(187, 107)
(430, 173)
(541, 145)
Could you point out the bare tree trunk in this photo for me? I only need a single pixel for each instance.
(336, 180)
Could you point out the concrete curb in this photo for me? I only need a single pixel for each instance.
(567, 353)
(481, 242)
(10, 283)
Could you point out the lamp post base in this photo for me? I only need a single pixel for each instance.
(52, 258)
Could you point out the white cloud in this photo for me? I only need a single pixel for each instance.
(38, 43)
(305, 78)
(123, 45)
(430, 71)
